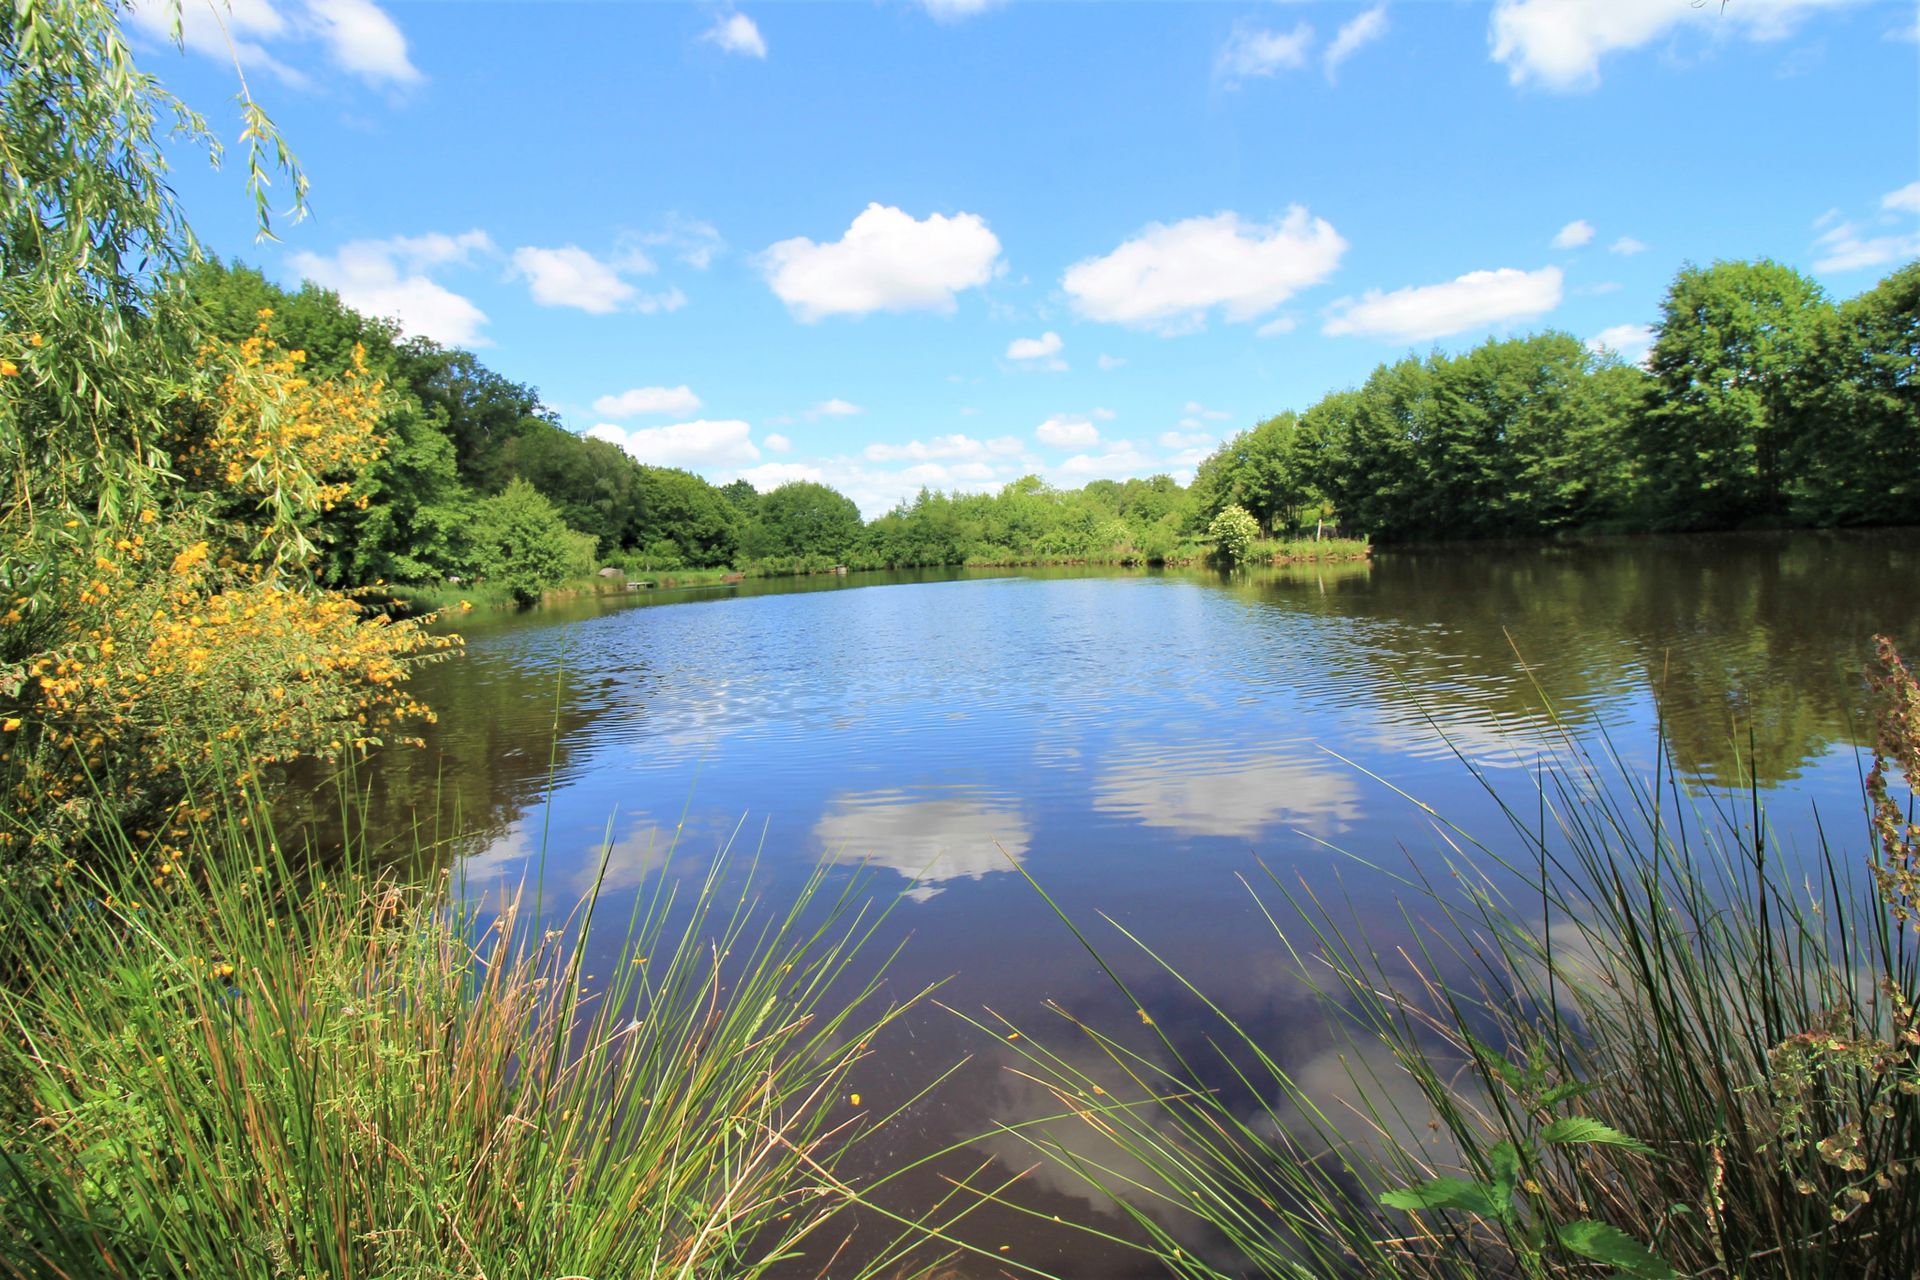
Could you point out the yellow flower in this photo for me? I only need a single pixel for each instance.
(13, 722)
(854, 1099)
(8, 369)
(35, 340)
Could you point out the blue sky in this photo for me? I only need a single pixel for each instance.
(890, 244)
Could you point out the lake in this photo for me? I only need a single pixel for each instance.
(1147, 745)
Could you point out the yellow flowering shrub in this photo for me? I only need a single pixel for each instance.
(276, 447)
(164, 655)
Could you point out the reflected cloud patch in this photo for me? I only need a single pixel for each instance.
(929, 841)
(1202, 791)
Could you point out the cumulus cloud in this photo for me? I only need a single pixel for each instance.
(1185, 439)
(1067, 431)
(390, 278)
(886, 261)
(571, 277)
(631, 404)
(1626, 247)
(939, 449)
(1047, 344)
(1277, 326)
(358, 36)
(1169, 277)
(1558, 44)
(1251, 51)
(1473, 301)
(1631, 342)
(737, 33)
(1194, 408)
(1362, 30)
(1109, 363)
(692, 241)
(1574, 234)
(835, 408)
(1120, 460)
(700, 443)
(364, 41)
(777, 442)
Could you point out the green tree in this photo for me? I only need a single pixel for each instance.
(519, 542)
(803, 519)
(1856, 459)
(1716, 441)
(682, 508)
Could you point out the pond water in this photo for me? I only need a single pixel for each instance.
(1139, 742)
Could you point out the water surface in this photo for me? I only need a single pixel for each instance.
(1144, 744)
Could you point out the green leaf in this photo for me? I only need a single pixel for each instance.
(1504, 1158)
(1495, 1061)
(1444, 1193)
(1570, 1130)
(1615, 1247)
(1565, 1092)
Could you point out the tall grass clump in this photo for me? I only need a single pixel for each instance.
(1672, 1052)
(277, 1070)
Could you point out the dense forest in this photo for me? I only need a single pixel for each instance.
(1761, 404)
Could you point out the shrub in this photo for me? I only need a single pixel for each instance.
(1232, 533)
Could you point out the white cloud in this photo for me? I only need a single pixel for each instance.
(1104, 415)
(358, 35)
(364, 40)
(1631, 342)
(1626, 247)
(771, 475)
(1120, 460)
(670, 300)
(1844, 246)
(692, 241)
(1251, 51)
(1185, 439)
(835, 408)
(389, 278)
(699, 443)
(737, 33)
(1194, 408)
(1574, 234)
(1559, 43)
(1047, 344)
(1363, 30)
(571, 277)
(777, 442)
(1067, 431)
(1109, 363)
(937, 449)
(1905, 200)
(631, 404)
(955, 10)
(887, 261)
(1168, 277)
(1277, 326)
(1473, 301)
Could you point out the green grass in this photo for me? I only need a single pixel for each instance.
(1300, 550)
(273, 1069)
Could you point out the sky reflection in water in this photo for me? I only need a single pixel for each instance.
(1138, 742)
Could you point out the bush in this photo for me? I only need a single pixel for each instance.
(1232, 533)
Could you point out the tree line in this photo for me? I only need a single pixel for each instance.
(1762, 403)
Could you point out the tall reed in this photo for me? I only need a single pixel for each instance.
(278, 1069)
(1672, 1052)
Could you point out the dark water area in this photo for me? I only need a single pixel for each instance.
(1147, 745)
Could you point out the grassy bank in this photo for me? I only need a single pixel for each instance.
(236, 1066)
(445, 597)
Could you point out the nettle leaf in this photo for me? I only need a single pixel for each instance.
(1515, 1076)
(1584, 1130)
(1566, 1092)
(1444, 1193)
(1616, 1248)
(1504, 1159)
